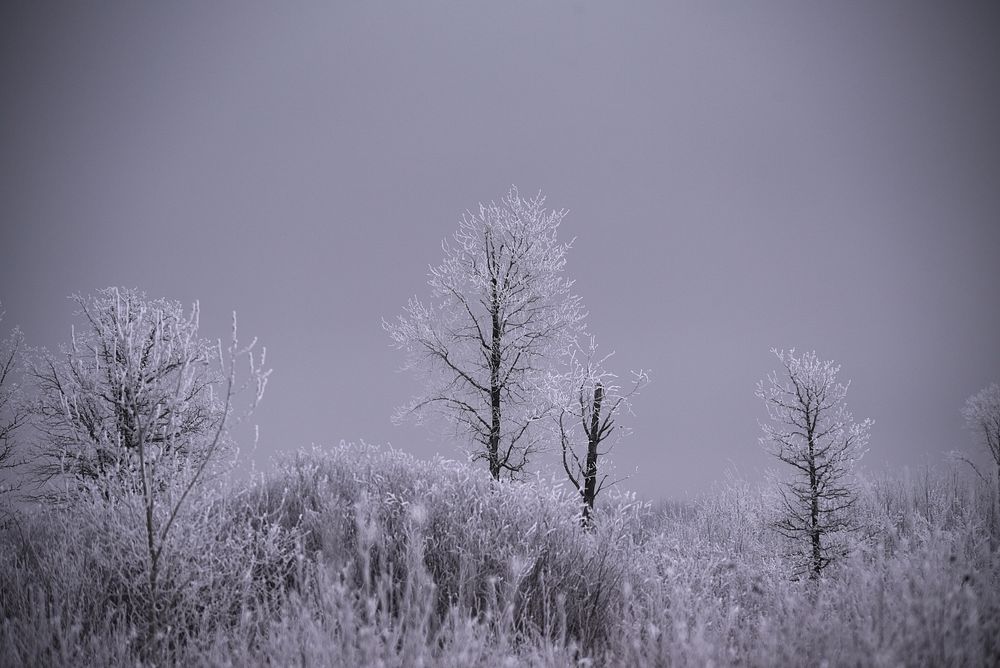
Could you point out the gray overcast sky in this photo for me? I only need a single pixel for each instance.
(739, 175)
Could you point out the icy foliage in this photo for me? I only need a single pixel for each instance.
(812, 431)
(12, 412)
(131, 416)
(588, 399)
(136, 373)
(982, 416)
(360, 556)
(500, 311)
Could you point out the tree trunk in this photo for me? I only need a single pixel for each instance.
(590, 472)
(814, 531)
(493, 449)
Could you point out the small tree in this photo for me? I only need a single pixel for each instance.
(118, 370)
(140, 406)
(982, 416)
(12, 413)
(811, 430)
(158, 432)
(502, 310)
(589, 400)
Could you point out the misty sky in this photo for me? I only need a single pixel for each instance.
(739, 176)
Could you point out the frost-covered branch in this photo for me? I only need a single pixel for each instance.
(13, 415)
(982, 417)
(812, 431)
(136, 373)
(500, 312)
(588, 400)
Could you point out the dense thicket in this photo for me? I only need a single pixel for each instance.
(360, 556)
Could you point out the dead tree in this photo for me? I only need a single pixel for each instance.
(589, 402)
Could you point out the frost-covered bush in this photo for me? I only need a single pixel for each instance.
(82, 567)
(358, 555)
(921, 585)
(491, 549)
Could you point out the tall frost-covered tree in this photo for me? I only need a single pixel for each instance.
(501, 310)
(811, 430)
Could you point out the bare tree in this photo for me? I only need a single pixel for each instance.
(589, 400)
(12, 412)
(811, 430)
(96, 398)
(501, 310)
(982, 416)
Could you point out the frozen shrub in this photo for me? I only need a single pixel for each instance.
(87, 560)
(490, 548)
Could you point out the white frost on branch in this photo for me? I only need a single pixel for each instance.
(982, 417)
(588, 400)
(136, 382)
(812, 431)
(500, 311)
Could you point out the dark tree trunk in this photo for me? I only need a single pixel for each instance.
(590, 470)
(814, 529)
(493, 449)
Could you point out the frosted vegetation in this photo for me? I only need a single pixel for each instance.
(361, 556)
(127, 539)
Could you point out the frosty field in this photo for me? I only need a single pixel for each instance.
(357, 555)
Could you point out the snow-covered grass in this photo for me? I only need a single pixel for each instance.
(363, 556)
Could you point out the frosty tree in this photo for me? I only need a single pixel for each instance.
(500, 312)
(589, 400)
(982, 416)
(135, 379)
(12, 413)
(811, 430)
(136, 408)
